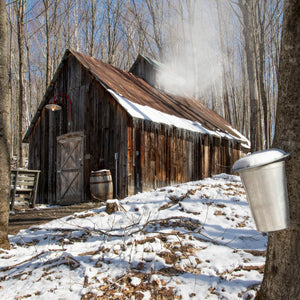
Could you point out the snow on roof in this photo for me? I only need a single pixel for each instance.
(245, 142)
(144, 112)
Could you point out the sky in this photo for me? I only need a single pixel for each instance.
(195, 240)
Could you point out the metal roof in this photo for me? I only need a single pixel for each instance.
(137, 90)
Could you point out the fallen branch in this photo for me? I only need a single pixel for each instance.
(21, 263)
(3, 269)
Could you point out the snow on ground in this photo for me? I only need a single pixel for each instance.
(191, 241)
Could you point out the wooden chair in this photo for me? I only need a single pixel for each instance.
(24, 182)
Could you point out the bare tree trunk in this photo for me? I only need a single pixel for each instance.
(93, 28)
(245, 102)
(4, 130)
(261, 54)
(227, 113)
(260, 117)
(29, 82)
(20, 19)
(246, 10)
(76, 38)
(47, 30)
(111, 31)
(282, 270)
(10, 81)
(191, 9)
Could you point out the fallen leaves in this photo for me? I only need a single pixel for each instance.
(134, 285)
(218, 213)
(169, 257)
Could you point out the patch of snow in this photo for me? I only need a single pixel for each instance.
(135, 281)
(112, 201)
(147, 295)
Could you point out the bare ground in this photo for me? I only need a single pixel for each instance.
(27, 217)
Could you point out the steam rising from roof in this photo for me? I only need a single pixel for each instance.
(194, 58)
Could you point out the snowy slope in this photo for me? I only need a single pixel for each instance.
(191, 241)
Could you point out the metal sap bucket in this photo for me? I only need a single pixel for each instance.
(101, 185)
(264, 179)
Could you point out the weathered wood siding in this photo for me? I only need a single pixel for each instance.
(159, 156)
(106, 135)
(94, 112)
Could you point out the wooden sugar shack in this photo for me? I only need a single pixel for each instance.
(115, 120)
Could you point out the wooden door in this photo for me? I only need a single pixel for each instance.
(70, 164)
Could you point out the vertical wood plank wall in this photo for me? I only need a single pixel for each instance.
(94, 112)
(168, 156)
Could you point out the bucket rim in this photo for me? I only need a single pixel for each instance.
(261, 164)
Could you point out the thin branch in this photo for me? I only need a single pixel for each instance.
(12, 2)
(235, 12)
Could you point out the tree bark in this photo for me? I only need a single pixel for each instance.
(112, 15)
(227, 111)
(10, 85)
(47, 30)
(20, 18)
(30, 110)
(261, 70)
(4, 130)
(247, 12)
(93, 28)
(282, 270)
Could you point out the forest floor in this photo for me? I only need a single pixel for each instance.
(195, 240)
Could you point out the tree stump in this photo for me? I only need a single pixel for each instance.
(111, 207)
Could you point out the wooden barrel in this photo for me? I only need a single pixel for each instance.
(101, 185)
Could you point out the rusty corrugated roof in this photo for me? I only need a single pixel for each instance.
(137, 90)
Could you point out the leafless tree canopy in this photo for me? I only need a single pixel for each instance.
(224, 52)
